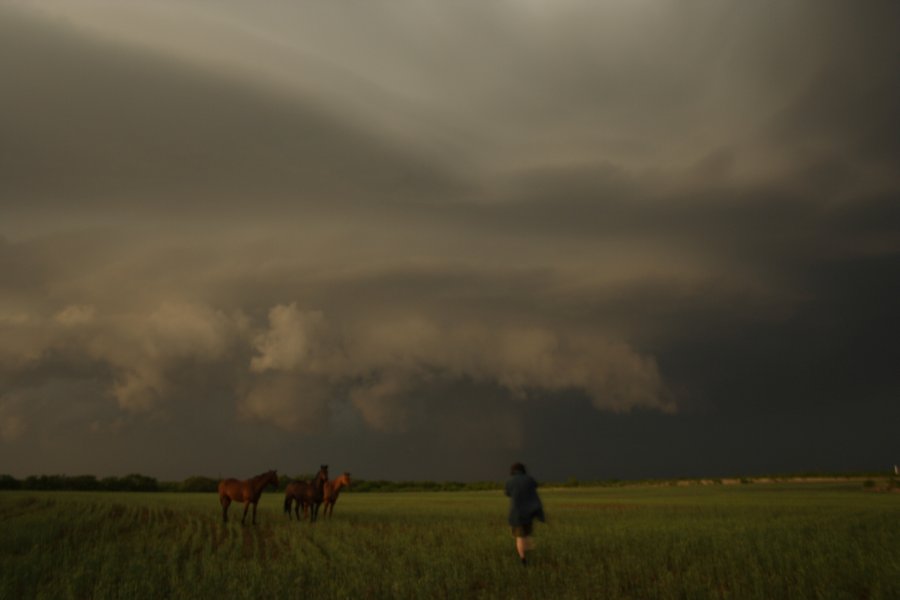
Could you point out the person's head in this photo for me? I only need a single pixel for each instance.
(517, 468)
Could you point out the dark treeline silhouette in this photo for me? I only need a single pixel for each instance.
(141, 483)
(129, 483)
(381, 485)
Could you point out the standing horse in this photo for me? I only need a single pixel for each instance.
(247, 491)
(308, 494)
(333, 490)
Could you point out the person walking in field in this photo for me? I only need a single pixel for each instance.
(524, 507)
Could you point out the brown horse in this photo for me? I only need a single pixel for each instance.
(308, 494)
(333, 490)
(247, 491)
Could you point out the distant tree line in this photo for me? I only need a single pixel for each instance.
(129, 483)
(141, 483)
(381, 485)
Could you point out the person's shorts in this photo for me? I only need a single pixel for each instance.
(522, 530)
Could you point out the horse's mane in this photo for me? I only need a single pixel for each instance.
(260, 481)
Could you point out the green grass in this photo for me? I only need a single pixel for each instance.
(760, 541)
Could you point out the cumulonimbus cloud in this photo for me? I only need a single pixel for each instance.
(384, 363)
(136, 350)
(301, 363)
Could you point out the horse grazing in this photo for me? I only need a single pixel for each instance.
(308, 494)
(333, 490)
(247, 491)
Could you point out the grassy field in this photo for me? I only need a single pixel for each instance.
(744, 541)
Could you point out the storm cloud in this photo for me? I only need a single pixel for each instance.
(422, 240)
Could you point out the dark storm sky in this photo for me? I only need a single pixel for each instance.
(422, 240)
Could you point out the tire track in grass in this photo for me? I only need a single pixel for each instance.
(305, 565)
(319, 545)
(216, 533)
(262, 541)
(248, 542)
(185, 549)
(206, 537)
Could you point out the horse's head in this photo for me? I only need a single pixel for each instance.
(345, 478)
(273, 478)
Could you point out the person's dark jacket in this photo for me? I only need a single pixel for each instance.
(524, 503)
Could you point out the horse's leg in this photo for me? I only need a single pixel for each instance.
(297, 504)
(225, 501)
(246, 506)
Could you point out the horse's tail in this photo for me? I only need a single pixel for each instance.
(287, 503)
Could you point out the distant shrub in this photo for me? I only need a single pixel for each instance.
(199, 484)
(82, 482)
(133, 482)
(869, 483)
(8, 482)
(44, 482)
(746, 480)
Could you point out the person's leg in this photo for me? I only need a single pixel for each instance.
(521, 546)
(522, 533)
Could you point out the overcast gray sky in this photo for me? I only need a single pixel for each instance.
(420, 239)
